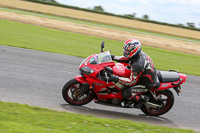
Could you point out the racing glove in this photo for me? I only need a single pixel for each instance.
(114, 78)
(112, 56)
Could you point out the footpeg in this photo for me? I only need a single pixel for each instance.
(127, 104)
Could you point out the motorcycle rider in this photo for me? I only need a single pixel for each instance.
(143, 74)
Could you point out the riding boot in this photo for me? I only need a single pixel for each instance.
(135, 101)
(133, 96)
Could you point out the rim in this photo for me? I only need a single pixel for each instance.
(164, 101)
(73, 92)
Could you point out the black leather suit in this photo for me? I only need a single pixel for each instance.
(143, 73)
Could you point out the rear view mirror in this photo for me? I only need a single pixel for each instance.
(102, 46)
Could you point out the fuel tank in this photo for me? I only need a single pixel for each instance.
(122, 70)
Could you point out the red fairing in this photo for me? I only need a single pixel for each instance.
(98, 86)
(183, 77)
(92, 74)
(121, 69)
(81, 79)
(165, 86)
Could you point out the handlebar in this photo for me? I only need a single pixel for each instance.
(109, 69)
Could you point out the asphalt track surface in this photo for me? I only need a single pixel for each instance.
(36, 78)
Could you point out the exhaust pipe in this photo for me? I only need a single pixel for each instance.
(152, 105)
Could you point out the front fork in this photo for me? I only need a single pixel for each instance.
(85, 87)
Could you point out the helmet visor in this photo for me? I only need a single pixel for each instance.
(126, 53)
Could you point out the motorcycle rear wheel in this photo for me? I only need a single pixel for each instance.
(71, 92)
(167, 102)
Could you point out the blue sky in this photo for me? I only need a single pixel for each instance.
(170, 11)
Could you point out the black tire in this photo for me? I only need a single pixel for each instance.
(156, 112)
(72, 84)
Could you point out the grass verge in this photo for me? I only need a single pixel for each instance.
(131, 30)
(36, 7)
(44, 39)
(17, 118)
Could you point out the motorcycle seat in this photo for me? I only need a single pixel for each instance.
(166, 76)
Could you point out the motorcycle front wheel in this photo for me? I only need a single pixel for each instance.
(163, 98)
(71, 91)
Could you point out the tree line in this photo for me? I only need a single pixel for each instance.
(100, 10)
(145, 16)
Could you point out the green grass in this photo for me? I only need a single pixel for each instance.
(16, 118)
(44, 39)
(107, 26)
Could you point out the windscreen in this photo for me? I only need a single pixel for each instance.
(101, 58)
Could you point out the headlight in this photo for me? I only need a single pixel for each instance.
(86, 70)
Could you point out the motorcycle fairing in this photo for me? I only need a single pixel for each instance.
(101, 88)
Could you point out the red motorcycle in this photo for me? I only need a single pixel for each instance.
(94, 83)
